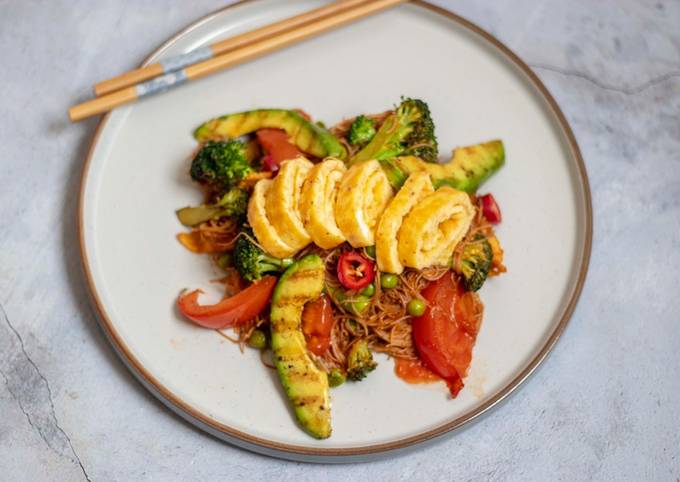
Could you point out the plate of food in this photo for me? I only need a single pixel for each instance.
(344, 249)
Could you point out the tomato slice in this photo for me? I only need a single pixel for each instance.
(490, 209)
(317, 324)
(446, 333)
(355, 271)
(277, 148)
(231, 311)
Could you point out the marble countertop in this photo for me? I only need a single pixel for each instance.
(604, 406)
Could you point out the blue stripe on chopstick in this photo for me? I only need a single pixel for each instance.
(161, 84)
(178, 62)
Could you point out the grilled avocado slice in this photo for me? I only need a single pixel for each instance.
(468, 168)
(305, 385)
(307, 136)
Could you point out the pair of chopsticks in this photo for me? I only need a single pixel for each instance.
(168, 73)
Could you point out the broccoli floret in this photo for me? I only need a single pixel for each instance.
(407, 132)
(220, 164)
(359, 360)
(421, 141)
(475, 263)
(233, 203)
(251, 262)
(361, 131)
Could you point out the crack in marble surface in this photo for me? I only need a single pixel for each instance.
(622, 90)
(25, 389)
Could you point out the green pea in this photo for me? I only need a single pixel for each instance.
(257, 339)
(336, 377)
(368, 290)
(388, 280)
(370, 251)
(416, 307)
(359, 306)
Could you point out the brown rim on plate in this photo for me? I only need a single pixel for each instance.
(290, 451)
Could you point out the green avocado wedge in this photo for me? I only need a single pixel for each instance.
(305, 385)
(468, 168)
(308, 137)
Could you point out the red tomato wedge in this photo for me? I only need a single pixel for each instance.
(490, 209)
(446, 333)
(277, 147)
(231, 311)
(317, 324)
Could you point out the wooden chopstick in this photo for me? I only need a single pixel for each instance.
(229, 59)
(178, 62)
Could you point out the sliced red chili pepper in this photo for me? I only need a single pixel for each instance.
(355, 271)
(490, 208)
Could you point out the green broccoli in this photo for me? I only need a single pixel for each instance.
(359, 360)
(220, 164)
(361, 131)
(475, 262)
(251, 262)
(409, 131)
(233, 203)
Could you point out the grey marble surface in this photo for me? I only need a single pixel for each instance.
(605, 405)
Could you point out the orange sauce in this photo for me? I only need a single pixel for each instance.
(317, 324)
(413, 371)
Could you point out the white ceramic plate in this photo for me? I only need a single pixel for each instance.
(135, 177)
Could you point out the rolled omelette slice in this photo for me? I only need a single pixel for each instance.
(266, 234)
(417, 186)
(362, 197)
(433, 228)
(317, 201)
(282, 201)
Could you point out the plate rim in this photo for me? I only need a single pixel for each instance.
(298, 452)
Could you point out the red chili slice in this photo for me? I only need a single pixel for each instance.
(355, 271)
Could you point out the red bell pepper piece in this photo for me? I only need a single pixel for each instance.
(232, 311)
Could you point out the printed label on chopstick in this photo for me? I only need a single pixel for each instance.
(177, 62)
(160, 84)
